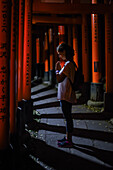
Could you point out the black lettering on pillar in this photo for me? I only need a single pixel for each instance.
(4, 54)
(95, 28)
(28, 46)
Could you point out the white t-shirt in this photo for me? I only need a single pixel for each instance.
(65, 91)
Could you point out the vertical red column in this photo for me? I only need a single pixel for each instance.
(13, 69)
(85, 59)
(96, 85)
(85, 49)
(37, 51)
(52, 64)
(46, 74)
(20, 50)
(95, 48)
(4, 72)
(51, 51)
(61, 33)
(37, 58)
(75, 44)
(27, 51)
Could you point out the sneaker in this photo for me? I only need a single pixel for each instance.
(62, 140)
(65, 144)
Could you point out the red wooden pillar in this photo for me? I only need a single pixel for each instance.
(51, 49)
(85, 59)
(13, 65)
(46, 61)
(20, 50)
(85, 49)
(52, 64)
(96, 75)
(109, 62)
(42, 64)
(27, 52)
(61, 33)
(37, 50)
(4, 72)
(75, 44)
(37, 57)
(95, 50)
(96, 86)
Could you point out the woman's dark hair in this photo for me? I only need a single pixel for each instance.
(69, 50)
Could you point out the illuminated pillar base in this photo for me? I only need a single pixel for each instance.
(108, 102)
(52, 77)
(96, 92)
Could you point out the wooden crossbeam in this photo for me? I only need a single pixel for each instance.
(55, 20)
(56, 8)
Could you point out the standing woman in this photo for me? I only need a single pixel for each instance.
(65, 94)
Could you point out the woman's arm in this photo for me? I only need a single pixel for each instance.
(60, 77)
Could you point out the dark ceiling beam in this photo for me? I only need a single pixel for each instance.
(56, 20)
(55, 8)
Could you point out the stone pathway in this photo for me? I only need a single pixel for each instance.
(92, 136)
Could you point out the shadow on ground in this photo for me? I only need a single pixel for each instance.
(92, 134)
(59, 159)
(82, 116)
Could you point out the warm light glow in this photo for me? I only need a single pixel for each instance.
(61, 30)
(94, 1)
(46, 65)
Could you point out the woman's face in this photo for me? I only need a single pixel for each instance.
(62, 55)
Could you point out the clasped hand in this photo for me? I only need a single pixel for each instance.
(58, 66)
